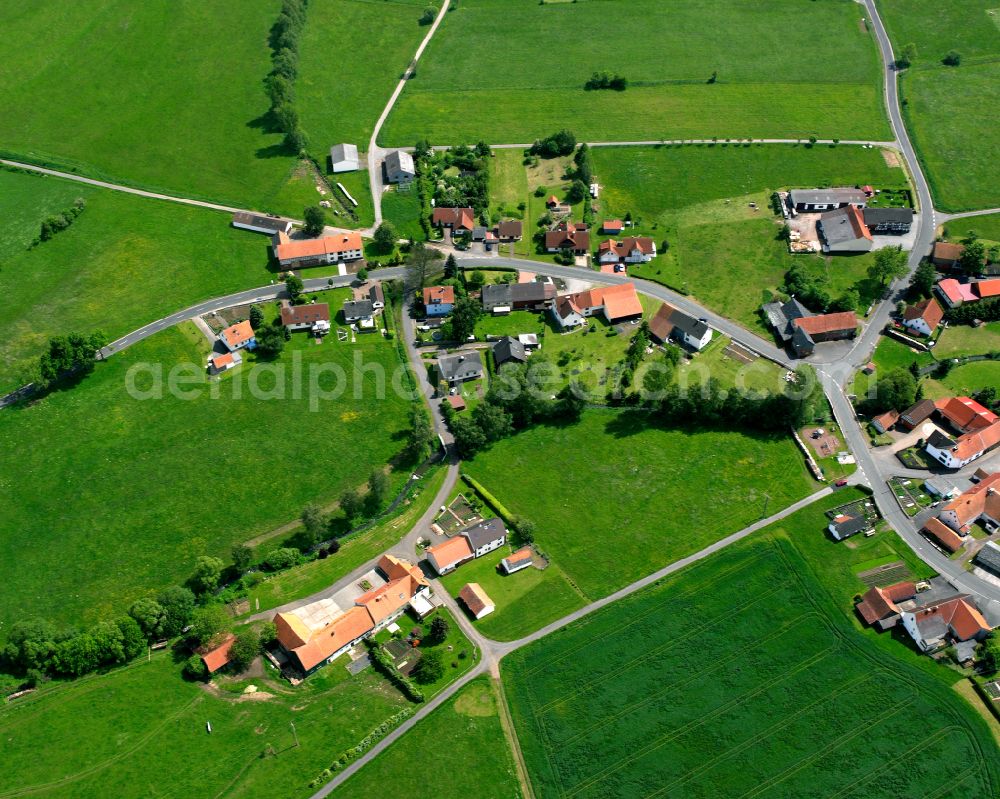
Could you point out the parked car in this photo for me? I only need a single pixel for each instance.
(841, 482)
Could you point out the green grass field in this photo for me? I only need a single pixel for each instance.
(352, 54)
(126, 261)
(964, 380)
(956, 144)
(675, 491)
(967, 340)
(165, 95)
(889, 354)
(754, 651)
(140, 731)
(987, 227)
(530, 72)
(525, 601)
(458, 751)
(402, 209)
(110, 497)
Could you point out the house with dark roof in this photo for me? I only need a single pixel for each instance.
(566, 235)
(917, 413)
(360, 312)
(946, 255)
(496, 298)
(509, 230)
(811, 200)
(260, 223)
(800, 329)
(888, 221)
(989, 557)
(472, 542)
(878, 606)
(485, 536)
(934, 626)
(314, 317)
(399, 167)
(509, 350)
(844, 526)
(844, 230)
(671, 323)
(460, 367)
(923, 317)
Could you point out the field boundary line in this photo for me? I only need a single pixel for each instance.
(670, 735)
(837, 644)
(630, 664)
(510, 733)
(545, 666)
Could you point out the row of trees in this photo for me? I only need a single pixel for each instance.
(605, 80)
(908, 54)
(810, 287)
(57, 222)
(280, 82)
(66, 357)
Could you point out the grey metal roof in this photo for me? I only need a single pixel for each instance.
(826, 196)
(485, 532)
(449, 366)
(851, 525)
(399, 161)
(509, 349)
(877, 216)
(989, 557)
(497, 294)
(354, 309)
(273, 223)
(344, 152)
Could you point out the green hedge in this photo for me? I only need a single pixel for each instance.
(362, 746)
(490, 500)
(383, 663)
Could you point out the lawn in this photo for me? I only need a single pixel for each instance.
(987, 227)
(890, 354)
(166, 94)
(352, 55)
(402, 209)
(675, 491)
(525, 601)
(694, 69)
(140, 731)
(754, 650)
(964, 380)
(957, 148)
(184, 476)
(967, 340)
(126, 261)
(471, 755)
(761, 375)
(307, 579)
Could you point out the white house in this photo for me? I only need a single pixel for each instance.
(521, 559)
(315, 317)
(669, 322)
(300, 253)
(239, 336)
(630, 250)
(344, 158)
(485, 536)
(260, 223)
(957, 619)
(923, 317)
(399, 167)
(567, 313)
(359, 312)
(954, 454)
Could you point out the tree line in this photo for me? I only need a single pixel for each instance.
(58, 222)
(605, 80)
(280, 82)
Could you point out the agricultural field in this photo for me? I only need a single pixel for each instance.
(140, 731)
(957, 147)
(751, 645)
(190, 476)
(171, 97)
(706, 69)
(525, 601)
(125, 261)
(471, 755)
(352, 55)
(721, 480)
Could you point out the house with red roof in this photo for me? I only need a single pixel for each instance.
(612, 227)
(964, 414)
(221, 362)
(439, 300)
(924, 317)
(952, 620)
(239, 336)
(946, 254)
(959, 452)
(619, 303)
(217, 657)
(457, 220)
(630, 250)
(885, 421)
(301, 253)
(566, 235)
(981, 503)
(878, 606)
(952, 293)
(986, 289)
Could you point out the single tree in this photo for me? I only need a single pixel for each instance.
(150, 616)
(428, 16)
(314, 523)
(450, 266)
(270, 342)
(315, 220)
(419, 435)
(207, 571)
(245, 648)
(890, 263)
(207, 622)
(464, 317)
(256, 317)
(178, 605)
(378, 491)
(385, 237)
(477, 280)
(924, 279)
(953, 59)
(907, 56)
(576, 192)
(242, 556)
(429, 668)
(294, 286)
(973, 257)
(351, 503)
(439, 630)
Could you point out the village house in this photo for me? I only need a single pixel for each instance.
(217, 657)
(318, 633)
(457, 220)
(239, 336)
(472, 542)
(259, 223)
(344, 158)
(399, 168)
(671, 323)
(569, 236)
(359, 312)
(845, 525)
(955, 620)
(937, 533)
(810, 200)
(376, 296)
(315, 317)
(886, 421)
(989, 558)
(917, 413)
(501, 298)
(945, 255)
(302, 253)
(630, 250)
(476, 600)
(801, 329)
(981, 504)
(460, 367)
(223, 361)
(961, 451)
(923, 317)
(509, 350)
(612, 227)
(509, 230)
(617, 304)
(964, 414)
(439, 300)
(516, 561)
(878, 606)
(952, 293)
(844, 230)
(888, 221)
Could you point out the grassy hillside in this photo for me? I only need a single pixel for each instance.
(108, 497)
(165, 94)
(124, 262)
(754, 650)
(530, 69)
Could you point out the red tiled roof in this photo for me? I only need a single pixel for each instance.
(964, 620)
(304, 314)
(947, 538)
(965, 413)
(945, 251)
(308, 248)
(970, 505)
(950, 288)
(238, 334)
(323, 643)
(461, 218)
(385, 600)
(987, 288)
(929, 310)
(450, 552)
(444, 295)
(827, 323)
(218, 361)
(975, 443)
(474, 597)
(218, 657)
(456, 402)
(887, 419)
(612, 225)
(857, 221)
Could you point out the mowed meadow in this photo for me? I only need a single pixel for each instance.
(108, 498)
(614, 497)
(124, 262)
(948, 108)
(781, 69)
(741, 676)
(165, 94)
